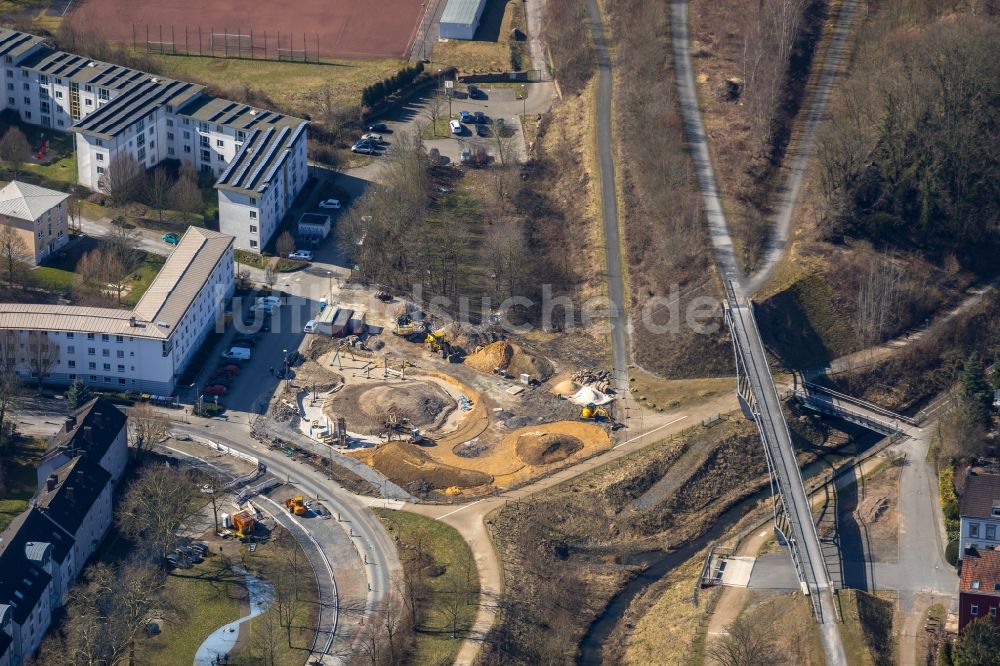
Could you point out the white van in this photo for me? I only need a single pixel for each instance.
(237, 354)
(456, 127)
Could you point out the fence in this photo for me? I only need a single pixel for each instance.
(213, 42)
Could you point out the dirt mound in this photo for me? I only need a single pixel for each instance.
(566, 388)
(408, 466)
(510, 358)
(545, 448)
(423, 404)
(871, 509)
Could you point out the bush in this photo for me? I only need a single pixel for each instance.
(207, 409)
(951, 552)
(376, 93)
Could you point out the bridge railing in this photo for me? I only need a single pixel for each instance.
(871, 407)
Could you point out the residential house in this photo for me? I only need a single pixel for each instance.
(979, 591)
(97, 430)
(979, 513)
(37, 215)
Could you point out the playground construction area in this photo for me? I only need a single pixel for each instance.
(298, 30)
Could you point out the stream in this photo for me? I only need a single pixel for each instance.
(659, 563)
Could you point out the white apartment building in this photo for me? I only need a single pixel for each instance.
(258, 157)
(143, 349)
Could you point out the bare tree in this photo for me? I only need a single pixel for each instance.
(123, 179)
(124, 243)
(186, 197)
(9, 387)
(503, 138)
(158, 190)
(452, 610)
(155, 505)
(286, 601)
(15, 149)
(436, 105)
(14, 253)
(264, 639)
(102, 270)
(270, 277)
(746, 643)
(74, 211)
(146, 426)
(43, 353)
(878, 301)
(285, 244)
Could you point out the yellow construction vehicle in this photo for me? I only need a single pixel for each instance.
(437, 343)
(296, 505)
(407, 327)
(595, 413)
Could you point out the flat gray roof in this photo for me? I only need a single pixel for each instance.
(463, 12)
(15, 44)
(63, 65)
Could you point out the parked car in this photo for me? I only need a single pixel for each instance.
(257, 326)
(482, 130)
(372, 137)
(310, 326)
(476, 93)
(364, 147)
(171, 238)
(201, 547)
(301, 255)
(236, 354)
(480, 118)
(456, 127)
(248, 341)
(329, 203)
(465, 117)
(377, 127)
(178, 562)
(273, 301)
(266, 308)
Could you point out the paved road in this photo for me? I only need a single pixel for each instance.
(609, 199)
(363, 530)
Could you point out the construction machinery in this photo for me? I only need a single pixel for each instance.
(407, 327)
(592, 412)
(296, 505)
(439, 345)
(243, 522)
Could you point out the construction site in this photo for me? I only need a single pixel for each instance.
(444, 409)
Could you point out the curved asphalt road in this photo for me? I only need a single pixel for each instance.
(369, 537)
(609, 200)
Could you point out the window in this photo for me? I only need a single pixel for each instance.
(100, 170)
(59, 94)
(974, 610)
(121, 380)
(72, 375)
(92, 366)
(120, 353)
(26, 87)
(99, 157)
(105, 353)
(140, 124)
(206, 155)
(253, 229)
(993, 612)
(43, 80)
(170, 136)
(119, 338)
(152, 144)
(107, 366)
(996, 507)
(27, 100)
(121, 368)
(974, 530)
(107, 380)
(253, 201)
(71, 364)
(253, 215)
(170, 122)
(187, 135)
(45, 108)
(91, 351)
(187, 149)
(12, 100)
(10, 86)
(105, 337)
(253, 243)
(140, 139)
(975, 585)
(102, 93)
(88, 88)
(70, 336)
(142, 153)
(27, 115)
(88, 102)
(991, 532)
(220, 157)
(220, 143)
(170, 150)
(203, 142)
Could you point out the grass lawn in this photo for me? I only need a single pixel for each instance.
(293, 85)
(59, 274)
(434, 642)
(250, 258)
(21, 482)
(200, 606)
(485, 55)
(142, 277)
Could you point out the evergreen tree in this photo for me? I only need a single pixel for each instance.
(78, 395)
(979, 644)
(976, 392)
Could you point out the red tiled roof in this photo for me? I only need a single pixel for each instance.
(981, 573)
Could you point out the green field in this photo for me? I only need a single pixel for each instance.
(448, 551)
(20, 481)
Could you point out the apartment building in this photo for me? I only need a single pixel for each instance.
(44, 549)
(37, 215)
(257, 157)
(143, 349)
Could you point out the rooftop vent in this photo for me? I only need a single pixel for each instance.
(51, 482)
(163, 324)
(70, 423)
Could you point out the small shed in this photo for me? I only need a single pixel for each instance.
(460, 18)
(314, 226)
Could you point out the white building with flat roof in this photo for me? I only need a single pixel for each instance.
(257, 157)
(460, 18)
(144, 349)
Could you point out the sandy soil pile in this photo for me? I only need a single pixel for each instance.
(510, 358)
(566, 388)
(407, 464)
(545, 448)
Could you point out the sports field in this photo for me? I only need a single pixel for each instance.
(273, 29)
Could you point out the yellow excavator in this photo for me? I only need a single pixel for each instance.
(296, 505)
(592, 412)
(407, 327)
(437, 343)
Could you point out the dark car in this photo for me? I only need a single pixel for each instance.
(244, 341)
(202, 548)
(482, 130)
(254, 324)
(476, 93)
(480, 118)
(377, 127)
